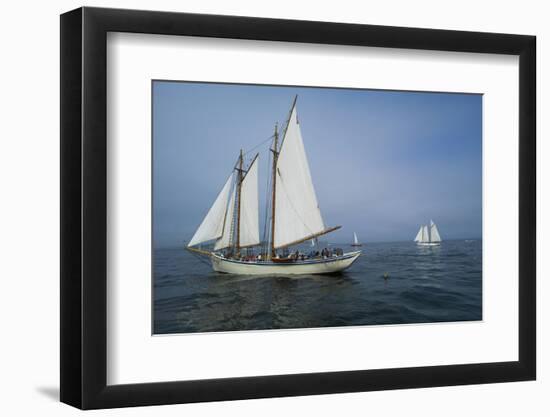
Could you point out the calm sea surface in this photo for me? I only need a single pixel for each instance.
(425, 284)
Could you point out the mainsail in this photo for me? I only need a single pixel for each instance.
(434, 233)
(355, 240)
(297, 214)
(249, 230)
(212, 226)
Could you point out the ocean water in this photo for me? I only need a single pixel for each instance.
(424, 285)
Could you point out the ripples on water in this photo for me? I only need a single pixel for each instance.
(425, 284)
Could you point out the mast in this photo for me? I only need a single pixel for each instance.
(239, 183)
(274, 182)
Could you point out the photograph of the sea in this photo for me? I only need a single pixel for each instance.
(391, 283)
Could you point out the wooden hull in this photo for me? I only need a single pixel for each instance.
(307, 267)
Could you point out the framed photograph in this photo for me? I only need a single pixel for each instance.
(258, 208)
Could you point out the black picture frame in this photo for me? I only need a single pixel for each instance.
(84, 207)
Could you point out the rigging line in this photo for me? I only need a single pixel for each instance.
(258, 145)
(200, 258)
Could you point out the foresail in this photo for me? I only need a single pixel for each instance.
(434, 233)
(225, 240)
(249, 230)
(418, 237)
(297, 214)
(212, 224)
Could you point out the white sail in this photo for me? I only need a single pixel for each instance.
(312, 243)
(297, 214)
(425, 235)
(434, 233)
(226, 239)
(418, 237)
(249, 230)
(355, 240)
(212, 224)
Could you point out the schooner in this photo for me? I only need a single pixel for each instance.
(428, 236)
(292, 216)
(356, 240)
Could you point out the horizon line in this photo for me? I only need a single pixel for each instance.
(184, 244)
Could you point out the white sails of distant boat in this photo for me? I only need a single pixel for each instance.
(356, 241)
(428, 236)
(294, 216)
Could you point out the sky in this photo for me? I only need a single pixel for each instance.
(382, 162)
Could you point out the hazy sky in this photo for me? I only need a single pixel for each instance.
(382, 162)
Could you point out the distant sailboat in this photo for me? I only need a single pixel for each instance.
(232, 221)
(355, 240)
(428, 236)
(312, 243)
